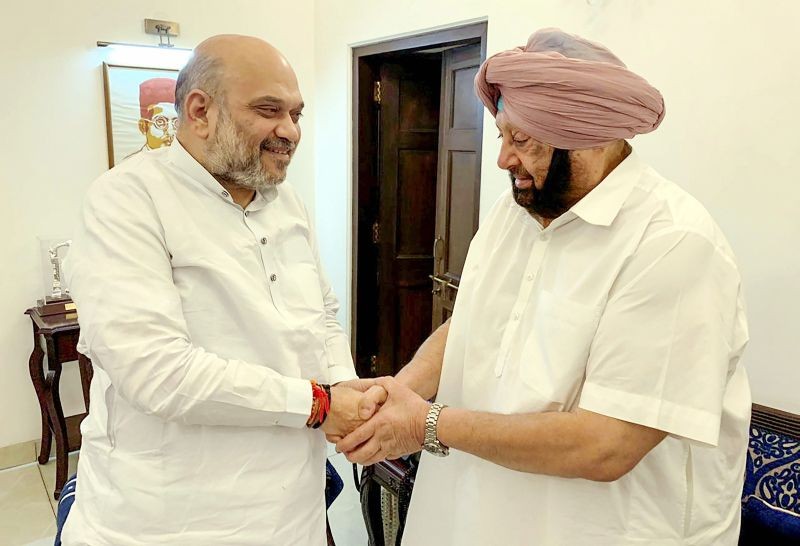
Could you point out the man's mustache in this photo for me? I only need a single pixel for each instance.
(518, 174)
(282, 144)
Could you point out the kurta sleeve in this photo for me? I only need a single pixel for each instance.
(669, 338)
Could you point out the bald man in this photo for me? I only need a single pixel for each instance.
(588, 386)
(206, 314)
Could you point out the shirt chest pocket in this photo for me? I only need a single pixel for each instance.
(553, 355)
(301, 280)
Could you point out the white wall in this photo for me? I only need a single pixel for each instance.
(54, 141)
(727, 68)
(729, 72)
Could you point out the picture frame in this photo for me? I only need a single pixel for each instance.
(140, 109)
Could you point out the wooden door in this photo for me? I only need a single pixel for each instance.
(409, 95)
(458, 184)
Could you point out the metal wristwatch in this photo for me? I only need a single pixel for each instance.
(432, 443)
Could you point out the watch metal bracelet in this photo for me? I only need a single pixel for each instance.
(432, 444)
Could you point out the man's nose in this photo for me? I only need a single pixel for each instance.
(507, 159)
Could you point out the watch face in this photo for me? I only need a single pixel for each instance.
(437, 449)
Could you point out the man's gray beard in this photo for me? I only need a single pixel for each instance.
(231, 158)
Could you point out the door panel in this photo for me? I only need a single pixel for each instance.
(458, 184)
(409, 129)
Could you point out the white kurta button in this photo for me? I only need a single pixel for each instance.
(263, 240)
(273, 277)
(516, 316)
(224, 194)
(247, 213)
(530, 276)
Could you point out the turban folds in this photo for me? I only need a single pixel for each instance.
(154, 91)
(568, 92)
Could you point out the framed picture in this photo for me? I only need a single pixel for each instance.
(140, 109)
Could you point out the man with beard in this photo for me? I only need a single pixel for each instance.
(588, 387)
(211, 326)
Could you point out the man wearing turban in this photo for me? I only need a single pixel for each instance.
(159, 119)
(588, 386)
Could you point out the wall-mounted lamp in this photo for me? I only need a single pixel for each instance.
(163, 53)
(122, 45)
(162, 29)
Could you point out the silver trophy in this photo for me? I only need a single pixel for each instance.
(56, 292)
(53, 253)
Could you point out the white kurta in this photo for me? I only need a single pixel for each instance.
(629, 305)
(204, 323)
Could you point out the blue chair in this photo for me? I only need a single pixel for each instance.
(64, 505)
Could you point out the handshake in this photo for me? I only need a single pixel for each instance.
(371, 420)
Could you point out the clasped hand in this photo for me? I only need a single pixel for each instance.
(396, 426)
(352, 404)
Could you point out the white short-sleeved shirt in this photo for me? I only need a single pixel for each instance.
(628, 305)
(204, 322)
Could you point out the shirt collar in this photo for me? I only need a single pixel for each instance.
(182, 159)
(601, 205)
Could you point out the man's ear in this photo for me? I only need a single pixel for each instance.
(143, 126)
(196, 108)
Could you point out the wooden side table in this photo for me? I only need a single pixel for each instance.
(56, 336)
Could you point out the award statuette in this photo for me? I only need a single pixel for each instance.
(56, 297)
(56, 292)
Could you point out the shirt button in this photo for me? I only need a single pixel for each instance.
(516, 316)
(273, 277)
(247, 213)
(530, 277)
(224, 194)
(263, 240)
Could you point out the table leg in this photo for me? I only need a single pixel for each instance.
(35, 367)
(328, 533)
(53, 381)
(85, 366)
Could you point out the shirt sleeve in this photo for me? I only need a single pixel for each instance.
(337, 347)
(132, 323)
(667, 340)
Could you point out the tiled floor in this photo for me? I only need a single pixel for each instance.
(49, 477)
(27, 507)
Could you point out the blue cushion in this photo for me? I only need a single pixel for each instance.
(763, 524)
(333, 484)
(773, 469)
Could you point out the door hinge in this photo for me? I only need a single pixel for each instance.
(376, 233)
(376, 93)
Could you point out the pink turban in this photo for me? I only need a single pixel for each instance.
(154, 91)
(569, 92)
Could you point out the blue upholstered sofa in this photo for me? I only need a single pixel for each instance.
(771, 496)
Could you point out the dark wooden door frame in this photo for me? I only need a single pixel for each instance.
(363, 159)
